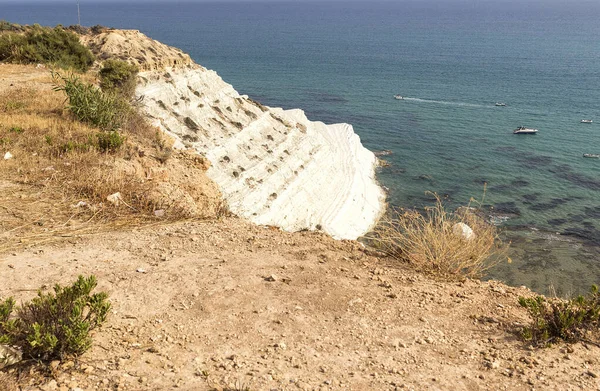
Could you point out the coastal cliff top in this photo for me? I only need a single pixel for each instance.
(215, 304)
(136, 48)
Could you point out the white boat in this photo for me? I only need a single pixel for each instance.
(524, 130)
(586, 121)
(399, 97)
(500, 104)
(592, 155)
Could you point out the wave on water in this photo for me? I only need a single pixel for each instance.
(444, 102)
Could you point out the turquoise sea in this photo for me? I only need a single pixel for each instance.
(452, 61)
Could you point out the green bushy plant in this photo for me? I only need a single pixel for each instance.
(91, 105)
(38, 44)
(118, 77)
(54, 325)
(554, 320)
(7, 26)
(110, 141)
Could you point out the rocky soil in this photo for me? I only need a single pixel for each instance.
(228, 305)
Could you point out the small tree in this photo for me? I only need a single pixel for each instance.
(118, 77)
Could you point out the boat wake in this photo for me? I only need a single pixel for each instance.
(443, 102)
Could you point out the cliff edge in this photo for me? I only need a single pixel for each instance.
(273, 166)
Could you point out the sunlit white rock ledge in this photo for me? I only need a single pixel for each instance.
(274, 166)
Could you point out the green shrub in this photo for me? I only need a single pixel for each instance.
(110, 141)
(54, 325)
(118, 77)
(554, 320)
(72, 146)
(7, 26)
(90, 105)
(47, 45)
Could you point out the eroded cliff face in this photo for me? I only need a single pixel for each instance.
(135, 48)
(274, 166)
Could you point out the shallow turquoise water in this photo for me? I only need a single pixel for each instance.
(343, 62)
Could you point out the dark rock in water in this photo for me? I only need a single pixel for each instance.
(480, 181)
(424, 177)
(589, 235)
(383, 163)
(395, 170)
(534, 161)
(576, 218)
(592, 212)
(326, 97)
(385, 152)
(509, 208)
(557, 222)
(550, 205)
(529, 198)
(565, 172)
(501, 188)
(539, 260)
(519, 183)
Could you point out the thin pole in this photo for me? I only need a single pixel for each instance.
(78, 15)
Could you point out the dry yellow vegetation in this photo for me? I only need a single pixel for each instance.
(434, 241)
(56, 180)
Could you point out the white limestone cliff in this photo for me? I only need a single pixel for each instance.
(274, 166)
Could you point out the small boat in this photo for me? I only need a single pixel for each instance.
(399, 97)
(586, 121)
(592, 155)
(524, 130)
(500, 104)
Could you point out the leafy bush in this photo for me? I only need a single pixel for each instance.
(7, 26)
(39, 44)
(72, 146)
(110, 141)
(118, 77)
(553, 320)
(91, 105)
(429, 240)
(54, 325)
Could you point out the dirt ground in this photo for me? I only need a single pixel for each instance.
(230, 306)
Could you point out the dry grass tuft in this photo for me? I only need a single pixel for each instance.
(429, 241)
(8, 382)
